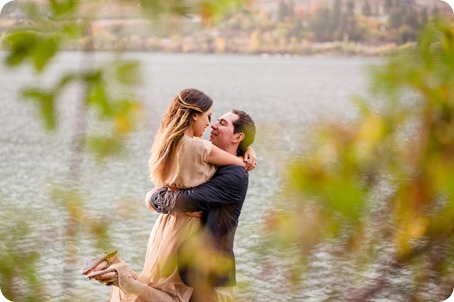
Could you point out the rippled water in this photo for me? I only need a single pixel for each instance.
(286, 96)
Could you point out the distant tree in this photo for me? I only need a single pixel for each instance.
(367, 9)
(395, 18)
(412, 18)
(436, 11)
(282, 10)
(389, 4)
(424, 17)
(337, 15)
(255, 43)
(291, 8)
(351, 7)
(321, 26)
(351, 22)
(297, 30)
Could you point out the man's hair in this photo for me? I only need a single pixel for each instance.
(244, 124)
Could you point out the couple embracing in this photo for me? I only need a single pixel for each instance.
(201, 189)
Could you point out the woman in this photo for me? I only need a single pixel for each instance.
(179, 159)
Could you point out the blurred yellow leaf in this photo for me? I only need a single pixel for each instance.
(122, 123)
(417, 228)
(371, 130)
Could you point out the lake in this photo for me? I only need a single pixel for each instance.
(286, 96)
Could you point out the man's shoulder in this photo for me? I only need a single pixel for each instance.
(233, 171)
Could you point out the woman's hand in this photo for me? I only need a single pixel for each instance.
(250, 159)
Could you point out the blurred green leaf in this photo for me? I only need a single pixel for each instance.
(40, 48)
(19, 282)
(21, 45)
(73, 29)
(62, 7)
(158, 8)
(45, 100)
(45, 50)
(152, 7)
(106, 146)
(65, 80)
(98, 97)
(34, 11)
(128, 73)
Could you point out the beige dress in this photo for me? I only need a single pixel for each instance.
(160, 272)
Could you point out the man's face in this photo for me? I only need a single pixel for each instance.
(222, 131)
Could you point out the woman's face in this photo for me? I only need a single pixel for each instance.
(200, 122)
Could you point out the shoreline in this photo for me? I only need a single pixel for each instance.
(328, 49)
(284, 56)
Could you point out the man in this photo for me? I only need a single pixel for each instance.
(207, 262)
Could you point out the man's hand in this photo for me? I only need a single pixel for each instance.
(147, 199)
(195, 214)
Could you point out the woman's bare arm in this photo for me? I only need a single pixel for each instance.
(220, 157)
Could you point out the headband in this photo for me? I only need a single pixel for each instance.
(186, 105)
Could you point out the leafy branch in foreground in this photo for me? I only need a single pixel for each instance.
(106, 92)
(381, 190)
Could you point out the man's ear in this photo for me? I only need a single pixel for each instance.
(238, 137)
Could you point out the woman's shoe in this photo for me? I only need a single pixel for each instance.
(109, 281)
(91, 264)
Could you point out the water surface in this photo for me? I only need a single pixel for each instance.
(286, 96)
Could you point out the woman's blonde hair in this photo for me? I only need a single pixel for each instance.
(175, 121)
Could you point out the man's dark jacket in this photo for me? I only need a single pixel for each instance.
(221, 200)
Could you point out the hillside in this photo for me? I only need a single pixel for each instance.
(364, 27)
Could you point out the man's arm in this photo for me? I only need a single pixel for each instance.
(228, 185)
